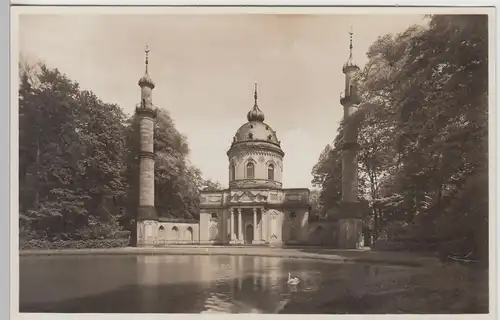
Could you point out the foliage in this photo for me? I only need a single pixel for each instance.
(326, 175)
(78, 162)
(423, 135)
(71, 154)
(73, 244)
(316, 211)
(209, 185)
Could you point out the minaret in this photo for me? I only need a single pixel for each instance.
(350, 222)
(146, 112)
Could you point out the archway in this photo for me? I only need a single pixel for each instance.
(249, 234)
(175, 233)
(161, 234)
(190, 233)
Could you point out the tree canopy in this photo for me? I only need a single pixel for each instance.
(78, 162)
(423, 132)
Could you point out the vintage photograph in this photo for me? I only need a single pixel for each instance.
(264, 160)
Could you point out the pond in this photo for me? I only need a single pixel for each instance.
(237, 284)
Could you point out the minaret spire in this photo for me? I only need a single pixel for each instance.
(146, 50)
(350, 42)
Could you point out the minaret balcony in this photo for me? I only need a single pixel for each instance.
(145, 110)
(350, 100)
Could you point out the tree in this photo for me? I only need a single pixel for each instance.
(79, 165)
(71, 151)
(327, 176)
(316, 207)
(423, 135)
(209, 185)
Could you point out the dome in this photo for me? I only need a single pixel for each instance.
(146, 80)
(255, 156)
(256, 131)
(350, 64)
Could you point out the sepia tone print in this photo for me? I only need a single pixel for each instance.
(253, 163)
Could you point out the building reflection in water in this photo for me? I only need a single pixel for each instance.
(232, 284)
(194, 284)
(255, 264)
(245, 291)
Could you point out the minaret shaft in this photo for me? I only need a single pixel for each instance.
(147, 97)
(350, 144)
(147, 163)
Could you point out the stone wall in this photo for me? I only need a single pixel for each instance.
(322, 233)
(177, 233)
(146, 232)
(161, 233)
(295, 226)
(213, 226)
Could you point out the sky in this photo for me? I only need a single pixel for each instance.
(205, 66)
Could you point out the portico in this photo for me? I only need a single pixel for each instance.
(246, 225)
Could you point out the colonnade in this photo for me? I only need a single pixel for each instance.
(239, 236)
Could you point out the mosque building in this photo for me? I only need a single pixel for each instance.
(255, 209)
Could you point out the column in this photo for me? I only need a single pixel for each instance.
(261, 225)
(232, 225)
(255, 231)
(240, 226)
(263, 222)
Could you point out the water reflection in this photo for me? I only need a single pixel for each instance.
(191, 284)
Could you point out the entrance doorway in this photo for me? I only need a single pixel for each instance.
(249, 234)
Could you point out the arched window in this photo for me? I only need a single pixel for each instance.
(270, 172)
(190, 233)
(250, 170)
(161, 233)
(233, 172)
(175, 231)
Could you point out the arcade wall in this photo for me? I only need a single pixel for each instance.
(161, 233)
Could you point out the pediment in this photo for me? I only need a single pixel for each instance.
(247, 197)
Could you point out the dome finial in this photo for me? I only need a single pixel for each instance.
(255, 114)
(255, 93)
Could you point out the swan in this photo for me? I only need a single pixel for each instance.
(292, 280)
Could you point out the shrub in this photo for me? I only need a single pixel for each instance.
(73, 244)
